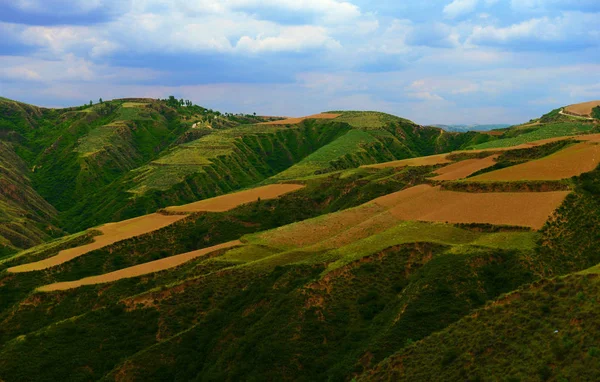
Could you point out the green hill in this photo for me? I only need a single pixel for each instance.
(358, 274)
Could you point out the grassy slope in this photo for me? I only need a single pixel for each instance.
(237, 314)
(26, 218)
(514, 338)
(546, 331)
(265, 312)
(543, 131)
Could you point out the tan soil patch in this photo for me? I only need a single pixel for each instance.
(138, 270)
(588, 138)
(528, 209)
(493, 133)
(460, 170)
(111, 233)
(572, 161)
(420, 161)
(294, 121)
(433, 160)
(230, 201)
(583, 109)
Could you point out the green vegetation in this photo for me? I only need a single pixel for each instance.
(596, 112)
(542, 332)
(544, 131)
(325, 285)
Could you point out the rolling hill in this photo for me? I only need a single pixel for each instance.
(175, 243)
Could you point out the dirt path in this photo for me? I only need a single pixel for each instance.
(572, 161)
(561, 112)
(462, 169)
(230, 201)
(111, 233)
(139, 270)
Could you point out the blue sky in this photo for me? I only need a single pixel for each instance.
(434, 61)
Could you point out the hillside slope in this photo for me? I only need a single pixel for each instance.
(26, 219)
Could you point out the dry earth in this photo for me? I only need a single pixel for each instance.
(572, 161)
(231, 201)
(139, 270)
(294, 121)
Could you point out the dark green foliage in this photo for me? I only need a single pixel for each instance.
(516, 186)
(596, 112)
(515, 338)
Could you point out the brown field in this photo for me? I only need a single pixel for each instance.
(428, 203)
(138, 270)
(490, 132)
(294, 121)
(111, 233)
(588, 138)
(230, 201)
(572, 161)
(420, 161)
(584, 109)
(464, 168)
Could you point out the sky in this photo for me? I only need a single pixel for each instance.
(432, 61)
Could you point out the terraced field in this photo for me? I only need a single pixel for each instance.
(431, 160)
(569, 162)
(114, 232)
(231, 201)
(583, 109)
(528, 209)
(110, 233)
(294, 121)
(139, 270)
(464, 168)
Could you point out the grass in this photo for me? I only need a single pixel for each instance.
(545, 131)
(352, 143)
(100, 138)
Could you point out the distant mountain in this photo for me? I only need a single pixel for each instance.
(463, 128)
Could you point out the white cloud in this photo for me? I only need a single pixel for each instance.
(289, 39)
(573, 28)
(460, 7)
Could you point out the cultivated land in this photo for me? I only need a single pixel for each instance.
(582, 109)
(529, 209)
(571, 161)
(114, 232)
(422, 161)
(392, 250)
(110, 233)
(464, 168)
(230, 201)
(139, 270)
(294, 121)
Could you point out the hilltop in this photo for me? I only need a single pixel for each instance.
(336, 246)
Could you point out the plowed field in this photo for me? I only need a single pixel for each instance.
(572, 161)
(138, 270)
(111, 233)
(294, 121)
(231, 201)
(426, 203)
(583, 109)
(464, 168)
